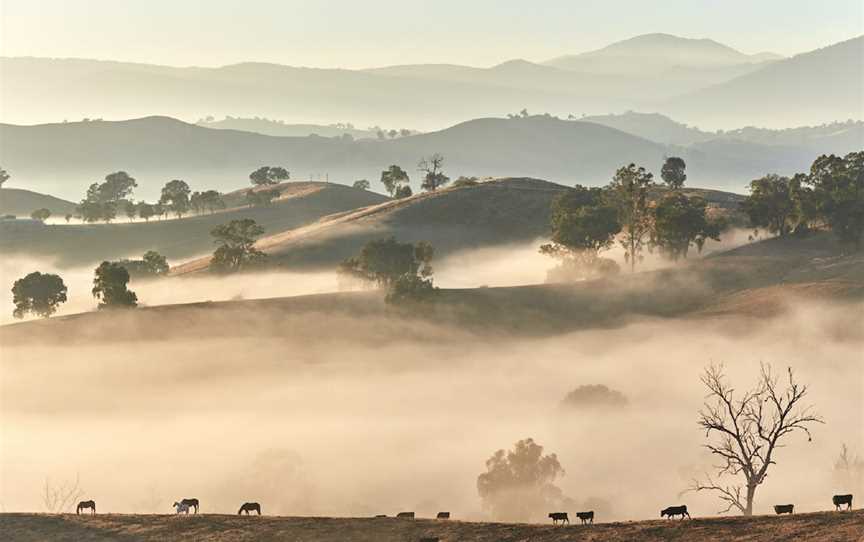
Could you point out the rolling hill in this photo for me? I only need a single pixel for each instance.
(813, 527)
(498, 212)
(811, 87)
(78, 244)
(649, 71)
(280, 128)
(20, 202)
(65, 158)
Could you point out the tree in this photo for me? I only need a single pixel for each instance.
(68, 217)
(236, 246)
(384, 261)
(838, 195)
(156, 262)
(102, 199)
(117, 186)
(269, 175)
(584, 221)
(260, 198)
(109, 287)
(681, 221)
(131, 209)
(212, 200)
(175, 196)
(465, 181)
(748, 430)
(403, 191)
(434, 177)
(4, 176)
(58, 499)
(518, 484)
(41, 214)
(404, 132)
(393, 178)
(630, 191)
(362, 184)
(145, 210)
(771, 204)
(673, 173)
(38, 294)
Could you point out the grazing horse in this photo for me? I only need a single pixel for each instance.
(181, 507)
(443, 515)
(249, 507)
(675, 511)
(86, 505)
(190, 503)
(406, 515)
(839, 500)
(586, 517)
(784, 509)
(559, 516)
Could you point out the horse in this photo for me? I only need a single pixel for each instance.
(675, 511)
(85, 505)
(559, 516)
(586, 517)
(249, 507)
(190, 503)
(839, 500)
(784, 509)
(181, 507)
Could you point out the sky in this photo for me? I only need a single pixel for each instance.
(369, 33)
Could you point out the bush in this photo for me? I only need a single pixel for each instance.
(594, 396)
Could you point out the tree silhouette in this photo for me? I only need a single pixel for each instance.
(38, 294)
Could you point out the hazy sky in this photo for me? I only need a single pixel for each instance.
(363, 33)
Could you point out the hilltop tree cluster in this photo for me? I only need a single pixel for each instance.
(830, 196)
(404, 270)
(587, 221)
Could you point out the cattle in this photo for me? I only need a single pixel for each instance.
(86, 505)
(381, 516)
(189, 503)
(840, 500)
(672, 511)
(559, 516)
(443, 515)
(405, 515)
(783, 508)
(586, 517)
(249, 507)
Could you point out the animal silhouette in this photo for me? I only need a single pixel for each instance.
(559, 516)
(85, 505)
(784, 508)
(249, 507)
(181, 508)
(840, 500)
(443, 515)
(406, 515)
(671, 511)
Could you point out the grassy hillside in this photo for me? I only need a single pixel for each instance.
(813, 527)
(493, 213)
(20, 202)
(759, 279)
(69, 245)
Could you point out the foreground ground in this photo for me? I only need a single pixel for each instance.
(821, 526)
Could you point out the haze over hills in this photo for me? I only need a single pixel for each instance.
(63, 159)
(814, 87)
(281, 128)
(20, 202)
(645, 72)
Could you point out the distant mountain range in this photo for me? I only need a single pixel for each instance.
(63, 159)
(697, 81)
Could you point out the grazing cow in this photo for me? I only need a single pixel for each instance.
(559, 516)
(190, 503)
(86, 505)
(381, 516)
(181, 508)
(249, 507)
(839, 500)
(586, 517)
(675, 511)
(443, 515)
(405, 515)
(784, 508)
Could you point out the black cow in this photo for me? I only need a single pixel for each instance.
(671, 511)
(559, 516)
(586, 517)
(784, 509)
(406, 515)
(249, 507)
(840, 500)
(443, 515)
(86, 505)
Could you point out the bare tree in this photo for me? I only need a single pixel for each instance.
(749, 430)
(58, 498)
(849, 470)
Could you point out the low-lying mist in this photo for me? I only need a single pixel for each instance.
(376, 415)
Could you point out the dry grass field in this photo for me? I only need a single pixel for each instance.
(813, 527)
